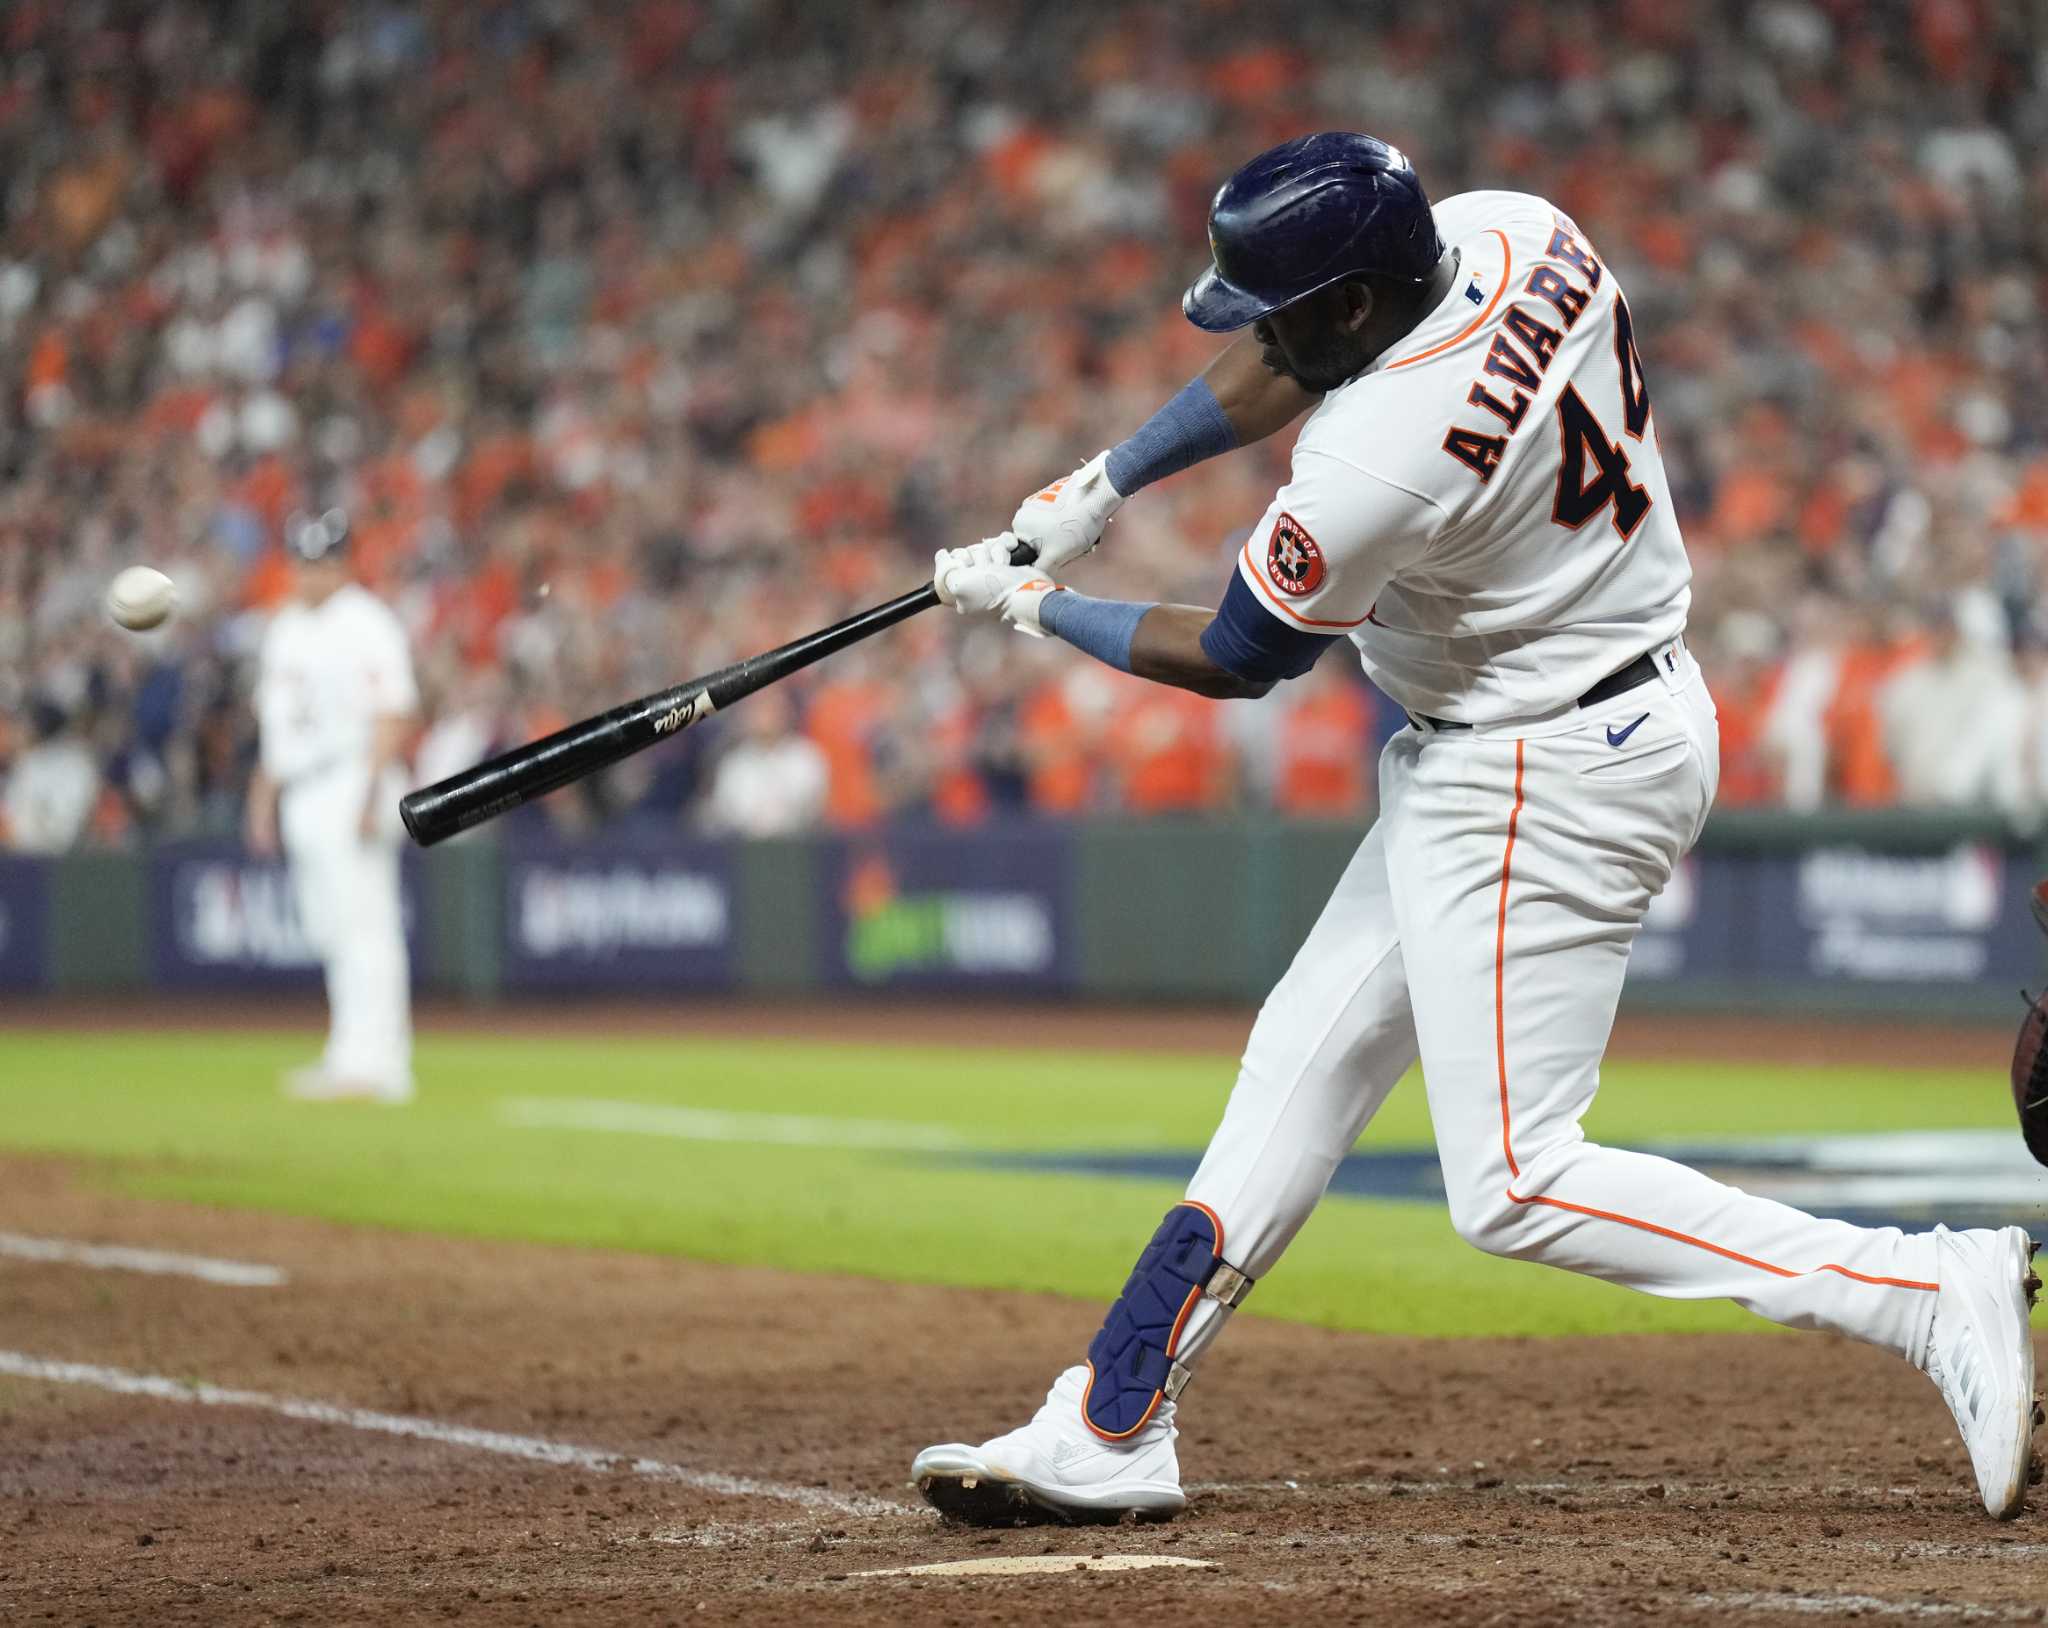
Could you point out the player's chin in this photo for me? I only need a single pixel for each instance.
(1316, 381)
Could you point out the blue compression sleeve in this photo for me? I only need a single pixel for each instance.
(1250, 641)
(1103, 628)
(1190, 427)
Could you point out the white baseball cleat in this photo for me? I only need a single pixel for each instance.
(1056, 1468)
(1980, 1353)
(315, 1084)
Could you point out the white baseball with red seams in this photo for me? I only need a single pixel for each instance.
(1484, 512)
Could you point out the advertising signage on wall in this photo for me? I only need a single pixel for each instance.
(1846, 914)
(1689, 931)
(1838, 914)
(24, 923)
(983, 911)
(222, 919)
(654, 914)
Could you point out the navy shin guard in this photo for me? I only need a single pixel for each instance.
(1131, 1365)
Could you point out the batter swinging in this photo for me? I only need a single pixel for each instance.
(1479, 505)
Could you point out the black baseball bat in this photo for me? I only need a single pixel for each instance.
(513, 778)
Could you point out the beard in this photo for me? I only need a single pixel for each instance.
(1322, 364)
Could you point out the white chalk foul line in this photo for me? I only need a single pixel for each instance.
(533, 1448)
(1040, 1565)
(718, 1125)
(1861, 1605)
(160, 1262)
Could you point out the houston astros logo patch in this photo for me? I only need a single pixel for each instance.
(1293, 560)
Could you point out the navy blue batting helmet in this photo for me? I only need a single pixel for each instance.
(1309, 213)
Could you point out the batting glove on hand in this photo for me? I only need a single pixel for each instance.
(981, 579)
(1065, 520)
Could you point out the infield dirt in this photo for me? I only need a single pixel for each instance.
(1338, 1477)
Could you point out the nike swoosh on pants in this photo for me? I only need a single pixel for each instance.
(1616, 737)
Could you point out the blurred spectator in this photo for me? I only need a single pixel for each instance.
(1166, 750)
(1327, 766)
(644, 335)
(771, 781)
(468, 727)
(1747, 679)
(2033, 674)
(1956, 718)
(1793, 729)
(53, 789)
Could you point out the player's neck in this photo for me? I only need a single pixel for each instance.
(1441, 281)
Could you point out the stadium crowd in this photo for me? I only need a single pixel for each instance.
(638, 335)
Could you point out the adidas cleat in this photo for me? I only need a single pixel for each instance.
(1980, 1354)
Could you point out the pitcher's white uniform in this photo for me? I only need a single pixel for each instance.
(1484, 513)
(327, 673)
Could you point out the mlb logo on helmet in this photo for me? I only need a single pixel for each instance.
(1293, 561)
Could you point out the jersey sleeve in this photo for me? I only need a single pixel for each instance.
(1257, 647)
(1332, 538)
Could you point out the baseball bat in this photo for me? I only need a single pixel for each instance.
(517, 777)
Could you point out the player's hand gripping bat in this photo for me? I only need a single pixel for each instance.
(519, 776)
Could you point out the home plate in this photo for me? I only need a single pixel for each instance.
(1034, 1565)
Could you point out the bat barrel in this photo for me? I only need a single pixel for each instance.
(450, 806)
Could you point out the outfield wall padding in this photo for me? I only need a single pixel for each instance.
(1879, 912)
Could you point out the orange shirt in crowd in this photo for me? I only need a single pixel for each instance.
(958, 795)
(1325, 753)
(1062, 763)
(842, 714)
(1167, 750)
(268, 582)
(1748, 775)
(1859, 772)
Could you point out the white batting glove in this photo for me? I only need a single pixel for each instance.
(980, 579)
(1065, 520)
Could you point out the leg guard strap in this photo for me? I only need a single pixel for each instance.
(1131, 1362)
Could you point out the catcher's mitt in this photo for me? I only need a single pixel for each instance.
(2030, 1056)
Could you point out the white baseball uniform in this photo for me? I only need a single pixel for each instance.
(328, 672)
(1484, 512)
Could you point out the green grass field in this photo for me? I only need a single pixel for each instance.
(198, 1117)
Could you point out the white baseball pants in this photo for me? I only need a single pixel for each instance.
(1485, 924)
(349, 905)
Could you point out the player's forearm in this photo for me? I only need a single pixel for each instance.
(1237, 400)
(1168, 650)
(1257, 401)
(1162, 643)
(387, 741)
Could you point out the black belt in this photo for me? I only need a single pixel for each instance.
(1639, 671)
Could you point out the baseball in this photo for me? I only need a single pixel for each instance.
(141, 598)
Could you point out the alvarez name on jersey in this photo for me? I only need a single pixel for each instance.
(1483, 511)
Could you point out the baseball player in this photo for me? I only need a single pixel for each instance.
(1478, 505)
(334, 702)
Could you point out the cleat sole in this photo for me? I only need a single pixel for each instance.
(977, 1501)
(972, 1501)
